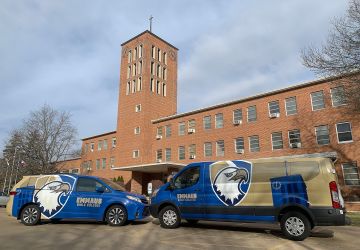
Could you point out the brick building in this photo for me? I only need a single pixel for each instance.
(151, 140)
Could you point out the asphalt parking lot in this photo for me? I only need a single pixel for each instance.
(148, 234)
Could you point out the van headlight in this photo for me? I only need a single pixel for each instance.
(133, 198)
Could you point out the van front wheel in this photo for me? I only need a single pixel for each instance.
(295, 226)
(169, 217)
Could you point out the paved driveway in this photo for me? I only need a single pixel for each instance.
(149, 235)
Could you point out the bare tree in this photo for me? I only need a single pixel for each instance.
(340, 55)
(45, 139)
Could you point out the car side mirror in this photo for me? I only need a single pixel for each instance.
(100, 189)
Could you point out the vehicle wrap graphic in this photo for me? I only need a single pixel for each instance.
(230, 181)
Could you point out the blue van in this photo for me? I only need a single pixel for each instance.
(298, 193)
(67, 196)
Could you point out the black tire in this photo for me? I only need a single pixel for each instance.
(192, 222)
(116, 215)
(295, 226)
(30, 215)
(169, 217)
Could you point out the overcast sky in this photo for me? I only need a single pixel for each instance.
(67, 53)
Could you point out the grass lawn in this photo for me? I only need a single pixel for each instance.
(355, 218)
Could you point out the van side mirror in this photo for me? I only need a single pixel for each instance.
(100, 189)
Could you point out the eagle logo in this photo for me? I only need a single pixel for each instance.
(231, 181)
(52, 196)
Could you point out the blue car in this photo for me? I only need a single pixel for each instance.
(66, 196)
(297, 193)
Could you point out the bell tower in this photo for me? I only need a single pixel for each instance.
(148, 91)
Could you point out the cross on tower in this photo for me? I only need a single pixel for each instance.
(150, 19)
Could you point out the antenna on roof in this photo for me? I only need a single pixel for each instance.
(150, 19)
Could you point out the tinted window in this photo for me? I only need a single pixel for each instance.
(87, 185)
(187, 178)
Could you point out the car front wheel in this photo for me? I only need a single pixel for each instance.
(30, 215)
(116, 215)
(295, 226)
(169, 217)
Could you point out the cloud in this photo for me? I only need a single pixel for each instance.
(67, 53)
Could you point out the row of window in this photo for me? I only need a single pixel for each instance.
(136, 86)
(101, 145)
(344, 135)
(136, 53)
(158, 88)
(134, 69)
(317, 100)
(158, 55)
(99, 164)
(157, 70)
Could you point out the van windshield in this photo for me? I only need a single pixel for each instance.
(113, 185)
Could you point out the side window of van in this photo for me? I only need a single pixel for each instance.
(187, 178)
(87, 185)
(307, 169)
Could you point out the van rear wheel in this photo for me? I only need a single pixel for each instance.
(30, 215)
(169, 217)
(295, 226)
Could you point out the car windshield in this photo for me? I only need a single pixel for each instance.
(113, 185)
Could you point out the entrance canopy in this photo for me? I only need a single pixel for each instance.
(153, 167)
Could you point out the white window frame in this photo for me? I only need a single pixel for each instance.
(312, 106)
(183, 147)
(211, 153)
(250, 144)
(332, 99)
(216, 147)
(92, 146)
(180, 125)
(235, 143)
(137, 108)
(272, 142)
(278, 103)
(247, 113)
(134, 152)
(240, 113)
(204, 122)
(113, 142)
(316, 137)
(166, 154)
(137, 130)
(286, 111)
(342, 167)
(337, 134)
(216, 120)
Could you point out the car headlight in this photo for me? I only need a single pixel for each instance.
(133, 198)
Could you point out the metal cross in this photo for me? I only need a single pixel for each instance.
(150, 19)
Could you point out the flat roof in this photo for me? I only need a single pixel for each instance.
(95, 136)
(152, 167)
(149, 32)
(254, 97)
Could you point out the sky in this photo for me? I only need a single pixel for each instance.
(67, 53)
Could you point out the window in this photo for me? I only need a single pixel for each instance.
(239, 144)
(291, 106)
(208, 149)
(152, 86)
(140, 51)
(164, 89)
(181, 153)
(254, 143)
(87, 185)
(192, 150)
(153, 51)
(164, 74)
(105, 145)
(86, 147)
(92, 147)
(152, 68)
(113, 142)
(181, 128)
(165, 57)
(139, 84)
(128, 72)
(75, 171)
(112, 162)
(207, 122)
(344, 133)
(134, 69)
(295, 138)
(103, 163)
(322, 135)
(274, 107)
(237, 115)
(168, 130)
(277, 140)
(97, 164)
(135, 53)
(191, 125)
(168, 154)
(129, 56)
(159, 55)
(158, 71)
(159, 155)
(136, 153)
(338, 97)
(158, 87)
(140, 67)
(100, 144)
(317, 100)
(219, 120)
(137, 108)
(251, 113)
(159, 131)
(220, 148)
(137, 131)
(351, 174)
(128, 88)
(133, 86)
(188, 178)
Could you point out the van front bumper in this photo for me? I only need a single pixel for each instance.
(329, 216)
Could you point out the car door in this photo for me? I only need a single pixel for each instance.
(88, 199)
(188, 192)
